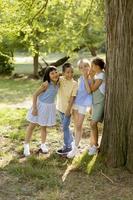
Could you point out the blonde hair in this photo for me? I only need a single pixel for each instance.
(85, 61)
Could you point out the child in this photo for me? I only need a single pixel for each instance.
(65, 98)
(82, 102)
(43, 111)
(98, 92)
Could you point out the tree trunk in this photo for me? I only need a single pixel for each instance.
(93, 51)
(117, 141)
(35, 61)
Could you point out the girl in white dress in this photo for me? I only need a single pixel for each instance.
(43, 111)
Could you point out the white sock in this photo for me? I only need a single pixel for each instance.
(26, 149)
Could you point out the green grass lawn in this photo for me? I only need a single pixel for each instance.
(23, 68)
(49, 177)
(15, 90)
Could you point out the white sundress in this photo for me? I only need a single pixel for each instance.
(46, 108)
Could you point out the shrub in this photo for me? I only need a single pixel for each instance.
(6, 64)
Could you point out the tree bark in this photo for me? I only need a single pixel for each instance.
(93, 51)
(35, 62)
(117, 141)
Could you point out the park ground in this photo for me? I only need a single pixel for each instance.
(49, 177)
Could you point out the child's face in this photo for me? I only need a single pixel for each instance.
(68, 73)
(94, 67)
(84, 68)
(54, 76)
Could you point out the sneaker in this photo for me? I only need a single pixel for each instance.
(73, 152)
(64, 151)
(44, 148)
(92, 150)
(73, 144)
(26, 150)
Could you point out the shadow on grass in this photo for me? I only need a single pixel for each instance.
(44, 170)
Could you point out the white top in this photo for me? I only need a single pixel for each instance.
(101, 76)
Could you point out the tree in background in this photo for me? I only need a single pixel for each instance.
(51, 26)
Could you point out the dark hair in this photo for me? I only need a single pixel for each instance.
(99, 61)
(65, 66)
(46, 76)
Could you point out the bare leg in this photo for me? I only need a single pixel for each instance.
(29, 132)
(79, 130)
(78, 134)
(43, 134)
(75, 119)
(43, 139)
(94, 133)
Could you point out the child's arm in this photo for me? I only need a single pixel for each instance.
(95, 84)
(71, 99)
(87, 86)
(42, 88)
(68, 110)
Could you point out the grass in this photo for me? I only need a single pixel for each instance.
(16, 91)
(23, 68)
(49, 177)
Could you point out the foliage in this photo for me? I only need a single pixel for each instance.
(6, 65)
(52, 26)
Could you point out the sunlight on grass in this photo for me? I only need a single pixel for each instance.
(91, 164)
(12, 122)
(83, 162)
(23, 68)
(16, 91)
(5, 159)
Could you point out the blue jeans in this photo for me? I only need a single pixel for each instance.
(68, 137)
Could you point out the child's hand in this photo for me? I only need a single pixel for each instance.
(44, 85)
(68, 113)
(34, 111)
(85, 75)
(91, 73)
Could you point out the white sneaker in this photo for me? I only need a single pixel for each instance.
(92, 150)
(73, 152)
(73, 144)
(44, 148)
(26, 150)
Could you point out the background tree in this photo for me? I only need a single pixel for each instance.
(117, 142)
(52, 26)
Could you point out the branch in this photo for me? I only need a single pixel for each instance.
(40, 11)
(87, 18)
(89, 13)
(107, 177)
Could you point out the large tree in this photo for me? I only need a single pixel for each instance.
(117, 142)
